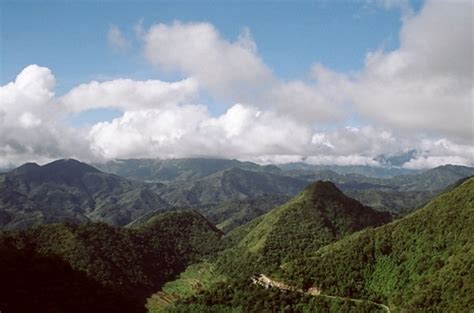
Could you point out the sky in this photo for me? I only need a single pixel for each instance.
(324, 82)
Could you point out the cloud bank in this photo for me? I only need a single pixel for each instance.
(418, 96)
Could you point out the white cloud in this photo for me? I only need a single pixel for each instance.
(31, 125)
(234, 72)
(127, 94)
(116, 39)
(416, 97)
(196, 49)
(426, 84)
(183, 131)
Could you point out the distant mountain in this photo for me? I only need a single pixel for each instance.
(229, 185)
(396, 159)
(399, 194)
(369, 171)
(232, 214)
(69, 190)
(134, 262)
(170, 170)
(421, 263)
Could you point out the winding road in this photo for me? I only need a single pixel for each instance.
(267, 282)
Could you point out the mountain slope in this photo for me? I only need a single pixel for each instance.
(69, 190)
(172, 170)
(423, 262)
(317, 216)
(398, 194)
(134, 261)
(228, 185)
(39, 283)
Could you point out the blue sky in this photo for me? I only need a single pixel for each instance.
(69, 37)
(330, 82)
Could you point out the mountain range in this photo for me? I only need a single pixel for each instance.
(243, 238)
(419, 263)
(228, 192)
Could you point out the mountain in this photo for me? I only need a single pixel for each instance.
(396, 159)
(319, 215)
(171, 170)
(228, 185)
(421, 263)
(398, 194)
(69, 190)
(232, 214)
(134, 262)
(365, 170)
(32, 282)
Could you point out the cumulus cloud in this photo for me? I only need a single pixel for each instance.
(127, 94)
(426, 84)
(117, 40)
(31, 125)
(418, 96)
(197, 49)
(233, 71)
(32, 128)
(183, 131)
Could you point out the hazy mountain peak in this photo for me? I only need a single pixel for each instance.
(71, 166)
(321, 188)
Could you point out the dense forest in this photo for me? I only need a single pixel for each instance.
(321, 249)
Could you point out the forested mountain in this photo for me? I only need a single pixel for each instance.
(423, 262)
(33, 282)
(228, 192)
(228, 185)
(170, 170)
(420, 263)
(74, 191)
(231, 214)
(133, 262)
(399, 194)
(319, 215)
(364, 170)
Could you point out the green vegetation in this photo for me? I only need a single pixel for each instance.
(228, 185)
(69, 190)
(243, 296)
(177, 170)
(318, 216)
(32, 282)
(229, 215)
(398, 194)
(137, 261)
(423, 262)
(197, 278)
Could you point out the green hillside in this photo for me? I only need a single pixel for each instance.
(231, 214)
(423, 262)
(69, 190)
(135, 261)
(319, 215)
(33, 282)
(174, 170)
(229, 185)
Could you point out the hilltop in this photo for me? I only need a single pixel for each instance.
(423, 261)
